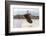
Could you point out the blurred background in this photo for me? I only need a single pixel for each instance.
(19, 21)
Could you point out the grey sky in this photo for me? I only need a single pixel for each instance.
(22, 11)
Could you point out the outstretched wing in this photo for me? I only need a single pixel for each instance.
(28, 17)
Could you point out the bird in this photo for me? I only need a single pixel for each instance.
(28, 17)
